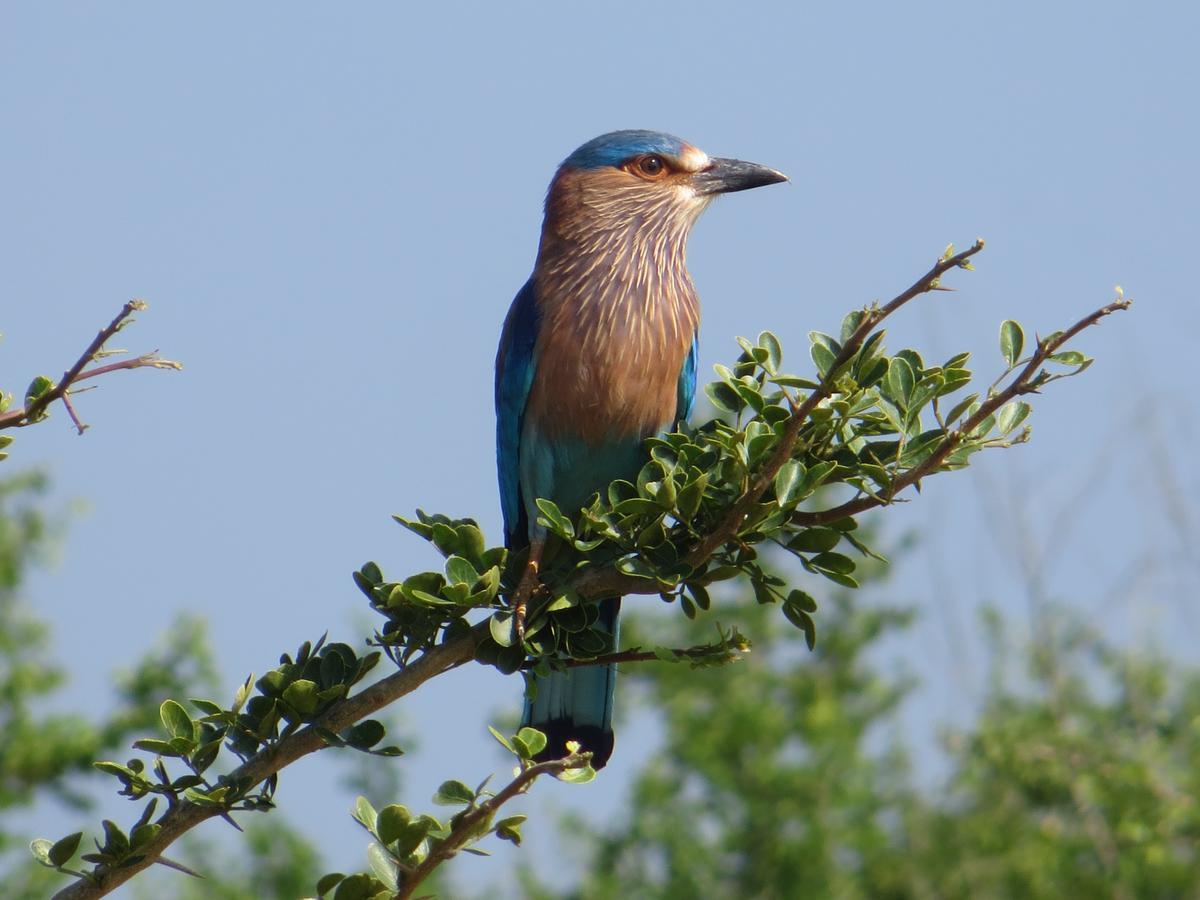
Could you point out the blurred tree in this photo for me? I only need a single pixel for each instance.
(46, 756)
(783, 776)
(776, 777)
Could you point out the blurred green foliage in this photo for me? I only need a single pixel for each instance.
(47, 756)
(787, 776)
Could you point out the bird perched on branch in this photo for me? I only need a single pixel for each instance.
(598, 353)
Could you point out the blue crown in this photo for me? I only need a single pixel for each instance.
(616, 147)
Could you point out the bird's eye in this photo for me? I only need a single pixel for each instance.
(650, 166)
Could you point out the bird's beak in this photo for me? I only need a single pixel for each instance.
(724, 176)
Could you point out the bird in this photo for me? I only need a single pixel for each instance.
(598, 353)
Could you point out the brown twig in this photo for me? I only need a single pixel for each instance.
(79, 426)
(19, 418)
(637, 654)
(468, 825)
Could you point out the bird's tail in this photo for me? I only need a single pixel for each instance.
(577, 705)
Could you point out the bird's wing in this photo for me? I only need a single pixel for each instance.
(686, 391)
(514, 374)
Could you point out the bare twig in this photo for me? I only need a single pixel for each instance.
(79, 426)
(468, 826)
(19, 418)
(730, 650)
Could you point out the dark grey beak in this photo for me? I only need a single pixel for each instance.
(724, 176)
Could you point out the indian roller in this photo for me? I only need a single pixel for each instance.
(598, 353)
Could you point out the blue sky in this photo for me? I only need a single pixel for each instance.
(329, 208)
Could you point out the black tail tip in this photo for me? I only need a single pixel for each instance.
(597, 741)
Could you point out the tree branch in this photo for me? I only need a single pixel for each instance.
(185, 815)
(19, 418)
(468, 826)
(591, 584)
(1022, 384)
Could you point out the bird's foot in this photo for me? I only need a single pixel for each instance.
(525, 589)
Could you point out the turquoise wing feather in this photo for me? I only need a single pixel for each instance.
(687, 383)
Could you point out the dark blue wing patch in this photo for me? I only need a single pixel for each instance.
(515, 365)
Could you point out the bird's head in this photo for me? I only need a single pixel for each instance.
(640, 181)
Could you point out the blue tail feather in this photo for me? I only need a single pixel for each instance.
(577, 705)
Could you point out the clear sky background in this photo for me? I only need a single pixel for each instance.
(330, 206)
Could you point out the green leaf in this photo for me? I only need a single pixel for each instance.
(301, 695)
(787, 483)
(37, 389)
(328, 883)
(501, 628)
(143, 835)
(1070, 358)
(412, 834)
(553, 519)
(581, 775)
(1012, 341)
(900, 380)
(453, 793)
(1011, 415)
(460, 571)
(208, 707)
(154, 745)
(533, 739)
(40, 848)
(834, 562)
(382, 865)
(803, 621)
(360, 886)
(851, 322)
(365, 734)
(390, 821)
(723, 397)
(365, 813)
(815, 540)
(802, 601)
(116, 841)
(959, 408)
(62, 851)
(509, 829)
(503, 741)
(823, 358)
(774, 349)
(688, 500)
(176, 720)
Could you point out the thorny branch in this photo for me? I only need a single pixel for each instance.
(36, 410)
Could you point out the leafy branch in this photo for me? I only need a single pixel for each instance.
(408, 848)
(868, 426)
(42, 391)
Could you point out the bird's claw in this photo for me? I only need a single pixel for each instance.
(525, 589)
